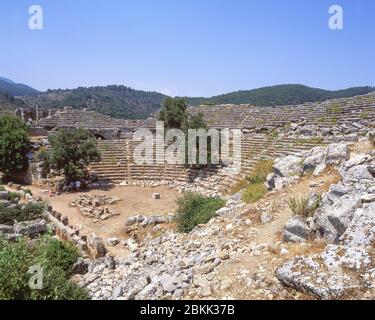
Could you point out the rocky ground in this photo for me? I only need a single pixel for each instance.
(260, 251)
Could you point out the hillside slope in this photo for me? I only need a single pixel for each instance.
(15, 89)
(280, 95)
(8, 103)
(123, 102)
(116, 101)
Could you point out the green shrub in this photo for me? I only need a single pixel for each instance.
(43, 155)
(15, 260)
(56, 254)
(256, 189)
(194, 209)
(254, 192)
(55, 257)
(30, 211)
(72, 151)
(13, 196)
(260, 172)
(302, 208)
(14, 143)
(2, 188)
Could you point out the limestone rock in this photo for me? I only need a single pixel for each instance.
(4, 195)
(316, 158)
(288, 166)
(96, 247)
(332, 219)
(296, 230)
(31, 228)
(337, 153)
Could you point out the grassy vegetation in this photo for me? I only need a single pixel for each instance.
(335, 109)
(13, 196)
(56, 260)
(273, 135)
(364, 115)
(258, 176)
(321, 120)
(240, 185)
(19, 213)
(318, 140)
(2, 188)
(254, 192)
(194, 209)
(302, 208)
(260, 172)
(254, 183)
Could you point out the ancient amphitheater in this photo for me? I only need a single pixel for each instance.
(125, 225)
(268, 133)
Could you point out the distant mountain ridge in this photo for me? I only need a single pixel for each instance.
(278, 95)
(123, 102)
(16, 89)
(116, 101)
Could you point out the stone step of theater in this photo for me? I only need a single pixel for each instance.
(117, 164)
(323, 114)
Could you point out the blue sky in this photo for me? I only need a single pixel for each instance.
(188, 47)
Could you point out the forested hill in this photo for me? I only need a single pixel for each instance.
(123, 102)
(280, 95)
(116, 101)
(15, 89)
(8, 103)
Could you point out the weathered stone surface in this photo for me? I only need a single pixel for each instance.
(357, 174)
(4, 195)
(288, 166)
(346, 217)
(31, 228)
(319, 169)
(361, 231)
(328, 275)
(96, 247)
(80, 267)
(296, 230)
(266, 217)
(156, 196)
(316, 157)
(113, 241)
(332, 219)
(337, 153)
(270, 181)
(336, 191)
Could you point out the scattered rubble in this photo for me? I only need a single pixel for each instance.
(346, 219)
(95, 207)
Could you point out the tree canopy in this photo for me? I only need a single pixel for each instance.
(72, 151)
(14, 143)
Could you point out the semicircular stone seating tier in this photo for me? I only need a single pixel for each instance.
(117, 163)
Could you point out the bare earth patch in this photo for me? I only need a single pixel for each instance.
(133, 201)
